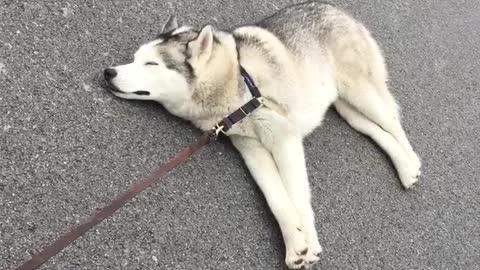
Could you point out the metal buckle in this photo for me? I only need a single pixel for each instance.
(218, 129)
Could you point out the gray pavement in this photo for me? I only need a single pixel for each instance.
(67, 146)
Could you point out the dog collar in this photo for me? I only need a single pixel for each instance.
(233, 118)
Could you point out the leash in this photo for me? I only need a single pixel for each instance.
(153, 178)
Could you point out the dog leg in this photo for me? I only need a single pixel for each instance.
(385, 140)
(289, 156)
(264, 170)
(367, 101)
(400, 136)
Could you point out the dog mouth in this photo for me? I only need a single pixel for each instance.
(114, 89)
(111, 87)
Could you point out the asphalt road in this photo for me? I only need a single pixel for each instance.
(67, 147)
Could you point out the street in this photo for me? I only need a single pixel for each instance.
(67, 147)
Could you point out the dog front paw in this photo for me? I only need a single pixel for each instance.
(302, 253)
(297, 259)
(296, 250)
(314, 250)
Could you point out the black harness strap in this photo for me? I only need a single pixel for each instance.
(250, 83)
(226, 123)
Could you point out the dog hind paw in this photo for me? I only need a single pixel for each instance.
(409, 181)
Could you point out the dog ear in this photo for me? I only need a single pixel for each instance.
(201, 47)
(170, 25)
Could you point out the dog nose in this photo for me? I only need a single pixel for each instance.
(109, 73)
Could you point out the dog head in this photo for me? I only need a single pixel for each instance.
(169, 68)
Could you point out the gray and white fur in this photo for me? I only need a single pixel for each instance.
(304, 58)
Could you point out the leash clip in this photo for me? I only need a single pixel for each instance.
(217, 129)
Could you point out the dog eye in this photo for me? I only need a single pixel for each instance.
(151, 64)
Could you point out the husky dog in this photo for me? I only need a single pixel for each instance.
(303, 59)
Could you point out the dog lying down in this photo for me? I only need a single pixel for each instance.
(303, 59)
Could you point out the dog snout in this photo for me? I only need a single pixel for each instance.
(109, 73)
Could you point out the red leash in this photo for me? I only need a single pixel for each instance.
(153, 178)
